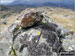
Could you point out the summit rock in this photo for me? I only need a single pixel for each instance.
(30, 17)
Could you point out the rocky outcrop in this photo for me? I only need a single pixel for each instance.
(30, 18)
(42, 38)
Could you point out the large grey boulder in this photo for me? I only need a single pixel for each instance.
(34, 41)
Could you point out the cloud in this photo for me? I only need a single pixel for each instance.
(6, 1)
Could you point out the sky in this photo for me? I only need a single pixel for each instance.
(33, 1)
(6, 1)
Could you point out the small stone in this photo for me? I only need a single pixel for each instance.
(4, 23)
(31, 17)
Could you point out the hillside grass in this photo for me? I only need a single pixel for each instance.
(67, 23)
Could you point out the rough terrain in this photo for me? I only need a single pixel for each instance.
(65, 17)
(46, 33)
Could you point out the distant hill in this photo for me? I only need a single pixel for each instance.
(71, 6)
(25, 5)
(20, 5)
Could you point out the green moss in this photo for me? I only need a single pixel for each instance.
(12, 51)
(18, 26)
(42, 23)
(16, 29)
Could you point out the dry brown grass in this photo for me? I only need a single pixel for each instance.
(67, 23)
(9, 21)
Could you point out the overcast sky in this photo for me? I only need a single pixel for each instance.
(10, 1)
(6, 1)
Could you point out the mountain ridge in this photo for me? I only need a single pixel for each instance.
(63, 5)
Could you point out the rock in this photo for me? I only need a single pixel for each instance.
(34, 41)
(63, 31)
(3, 21)
(5, 43)
(13, 26)
(69, 43)
(37, 42)
(31, 17)
(46, 19)
(43, 39)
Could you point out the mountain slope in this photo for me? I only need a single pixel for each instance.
(2, 8)
(59, 5)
